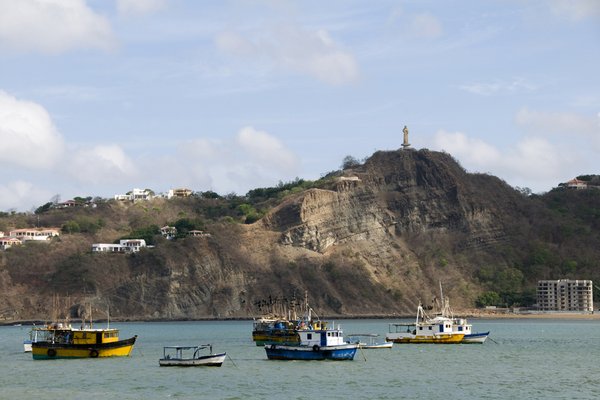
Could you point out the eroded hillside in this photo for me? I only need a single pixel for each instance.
(372, 240)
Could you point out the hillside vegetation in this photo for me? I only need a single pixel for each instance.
(372, 239)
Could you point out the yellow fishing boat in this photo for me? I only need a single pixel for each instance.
(60, 340)
(424, 330)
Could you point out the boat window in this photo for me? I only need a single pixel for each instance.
(309, 336)
(460, 328)
(420, 328)
(430, 328)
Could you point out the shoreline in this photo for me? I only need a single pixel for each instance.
(471, 314)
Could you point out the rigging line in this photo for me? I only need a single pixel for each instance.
(362, 352)
(228, 356)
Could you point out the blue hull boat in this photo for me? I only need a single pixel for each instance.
(340, 352)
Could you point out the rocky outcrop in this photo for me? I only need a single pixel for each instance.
(393, 194)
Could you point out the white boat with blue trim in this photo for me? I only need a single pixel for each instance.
(477, 337)
(317, 342)
(178, 356)
(369, 341)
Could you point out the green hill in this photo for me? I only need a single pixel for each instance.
(372, 239)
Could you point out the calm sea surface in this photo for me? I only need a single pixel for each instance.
(527, 359)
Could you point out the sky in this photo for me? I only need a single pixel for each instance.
(98, 97)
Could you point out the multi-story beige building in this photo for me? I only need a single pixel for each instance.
(565, 295)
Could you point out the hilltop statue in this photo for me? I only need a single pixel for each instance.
(405, 144)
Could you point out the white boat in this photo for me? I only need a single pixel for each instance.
(368, 341)
(27, 346)
(477, 337)
(190, 356)
(33, 337)
(424, 330)
(460, 325)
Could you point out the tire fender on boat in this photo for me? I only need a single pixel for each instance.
(94, 353)
(51, 352)
(316, 347)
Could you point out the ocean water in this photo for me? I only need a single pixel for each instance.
(523, 359)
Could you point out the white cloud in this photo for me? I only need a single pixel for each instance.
(518, 85)
(425, 25)
(313, 53)
(534, 158)
(72, 92)
(14, 195)
(568, 124)
(136, 7)
(202, 149)
(101, 164)
(235, 44)
(52, 26)
(420, 25)
(532, 162)
(576, 10)
(266, 149)
(470, 150)
(29, 138)
(250, 159)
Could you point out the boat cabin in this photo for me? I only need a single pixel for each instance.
(461, 326)
(321, 337)
(184, 352)
(68, 335)
(422, 328)
(95, 336)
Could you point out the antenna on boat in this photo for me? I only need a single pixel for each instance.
(91, 320)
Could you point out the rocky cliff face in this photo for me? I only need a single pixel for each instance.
(375, 240)
(395, 194)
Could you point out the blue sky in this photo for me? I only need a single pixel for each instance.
(100, 96)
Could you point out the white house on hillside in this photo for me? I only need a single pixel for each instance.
(135, 195)
(181, 192)
(7, 242)
(38, 234)
(168, 232)
(577, 184)
(124, 246)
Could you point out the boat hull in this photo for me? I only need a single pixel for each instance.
(476, 337)
(50, 351)
(386, 345)
(213, 360)
(338, 353)
(437, 339)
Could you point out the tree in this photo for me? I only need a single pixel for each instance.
(349, 162)
(490, 298)
(209, 194)
(525, 191)
(71, 227)
(44, 208)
